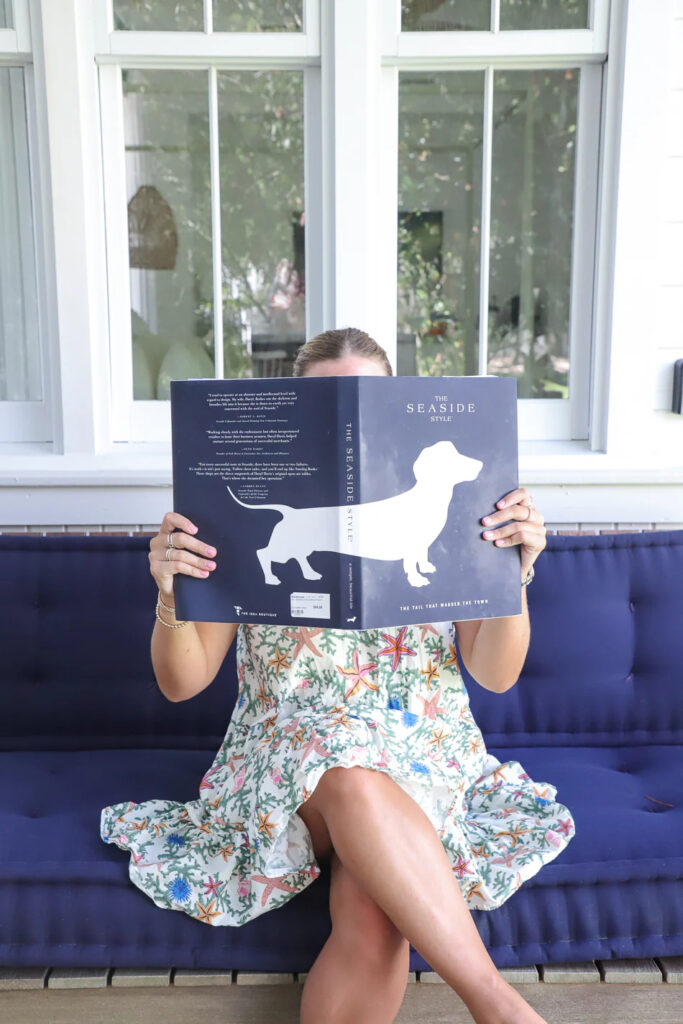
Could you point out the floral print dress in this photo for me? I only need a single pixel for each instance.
(388, 699)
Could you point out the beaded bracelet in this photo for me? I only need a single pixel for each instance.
(169, 625)
(529, 576)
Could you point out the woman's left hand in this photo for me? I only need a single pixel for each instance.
(529, 531)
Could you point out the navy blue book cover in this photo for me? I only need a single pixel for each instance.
(350, 502)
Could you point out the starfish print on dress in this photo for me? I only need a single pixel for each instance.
(207, 914)
(452, 659)
(265, 825)
(270, 884)
(315, 745)
(476, 891)
(431, 672)
(432, 708)
(438, 738)
(279, 659)
(357, 673)
(514, 834)
(426, 627)
(303, 639)
(395, 647)
(226, 851)
(460, 867)
(212, 886)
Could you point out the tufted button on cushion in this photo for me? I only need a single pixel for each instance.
(631, 605)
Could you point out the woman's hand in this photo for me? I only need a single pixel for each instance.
(529, 531)
(170, 551)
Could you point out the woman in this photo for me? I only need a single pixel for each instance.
(357, 746)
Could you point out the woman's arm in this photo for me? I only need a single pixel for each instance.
(494, 650)
(185, 660)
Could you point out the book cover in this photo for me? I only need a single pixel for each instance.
(349, 502)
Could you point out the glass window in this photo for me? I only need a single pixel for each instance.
(262, 220)
(439, 201)
(543, 14)
(257, 16)
(6, 14)
(168, 190)
(532, 213)
(159, 15)
(445, 15)
(20, 356)
(260, 132)
(531, 221)
(463, 15)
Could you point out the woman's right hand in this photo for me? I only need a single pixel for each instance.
(181, 558)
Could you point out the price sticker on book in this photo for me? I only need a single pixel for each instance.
(315, 606)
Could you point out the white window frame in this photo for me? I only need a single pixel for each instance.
(150, 420)
(29, 421)
(353, 32)
(539, 419)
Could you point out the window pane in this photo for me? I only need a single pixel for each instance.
(159, 15)
(166, 131)
(543, 14)
(20, 356)
(439, 166)
(445, 15)
(531, 229)
(262, 220)
(257, 16)
(6, 14)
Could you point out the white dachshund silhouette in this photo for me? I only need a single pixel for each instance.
(401, 527)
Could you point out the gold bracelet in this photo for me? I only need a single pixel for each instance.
(169, 625)
(165, 606)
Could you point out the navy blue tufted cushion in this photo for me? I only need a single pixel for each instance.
(597, 712)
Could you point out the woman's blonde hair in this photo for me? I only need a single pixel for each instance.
(336, 344)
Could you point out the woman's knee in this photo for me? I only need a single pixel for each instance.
(355, 781)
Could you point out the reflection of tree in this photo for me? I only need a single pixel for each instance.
(228, 15)
(531, 221)
(261, 182)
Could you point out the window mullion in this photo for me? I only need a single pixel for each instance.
(216, 244)
(485, 231)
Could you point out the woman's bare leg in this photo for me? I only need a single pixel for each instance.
(361, 973)
(387, 842)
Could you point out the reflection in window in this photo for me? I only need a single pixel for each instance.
(166, 124)
(532, 212)
(439, 186)
(543, 14)
(20, 356)
(159, 15)
(445, 15)
(257, 16)
(168, 192)
(6, 14)
(531, 225)
(262, 219)
(463, 15)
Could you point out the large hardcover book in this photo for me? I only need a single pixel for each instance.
(350, 502)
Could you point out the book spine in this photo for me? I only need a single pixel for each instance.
(178, 590)
(348, 447)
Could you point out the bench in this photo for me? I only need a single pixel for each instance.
(597, 712)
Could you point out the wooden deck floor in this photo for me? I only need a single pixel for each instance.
(600, 992)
